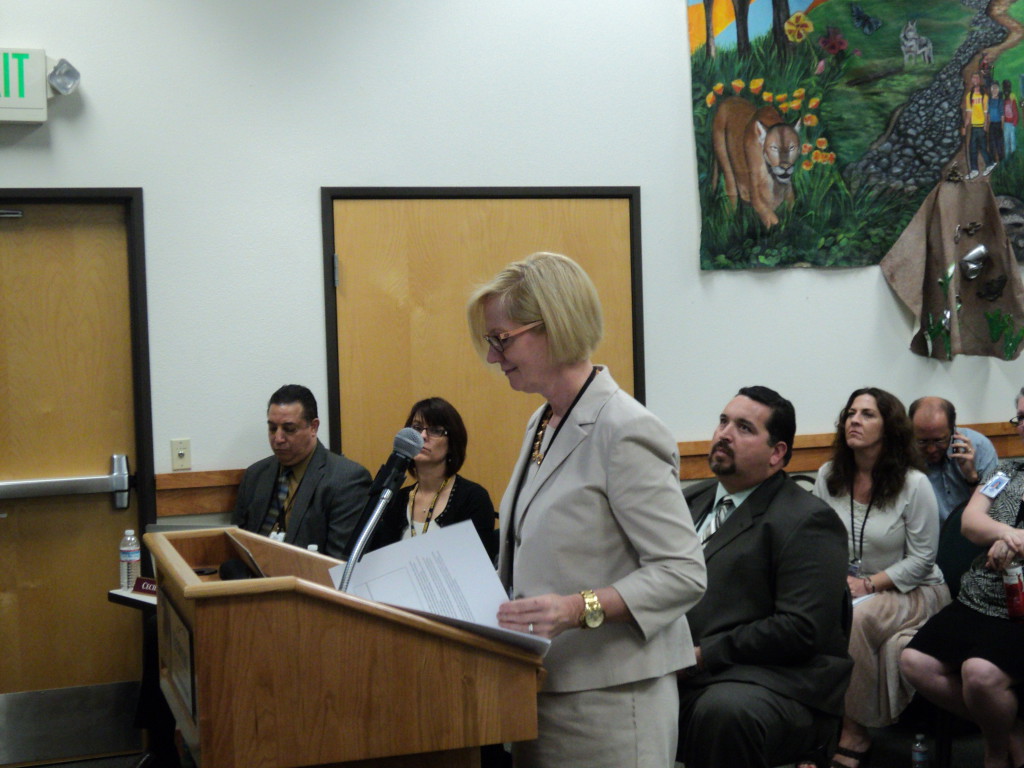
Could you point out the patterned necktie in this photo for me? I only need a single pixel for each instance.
(276, 511)
(722, 511)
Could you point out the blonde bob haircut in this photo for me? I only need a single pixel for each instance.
(548, 287)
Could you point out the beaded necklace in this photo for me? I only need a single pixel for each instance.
(430, 509)
(537, 456)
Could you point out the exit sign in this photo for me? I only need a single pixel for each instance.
(23, 87)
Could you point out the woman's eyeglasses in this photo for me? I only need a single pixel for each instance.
(431, 431)
(1017, 419)
(498, 340)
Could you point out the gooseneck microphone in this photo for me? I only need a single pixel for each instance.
(408, 442)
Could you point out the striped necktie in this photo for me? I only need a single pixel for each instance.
(723, 509)
(276, 511)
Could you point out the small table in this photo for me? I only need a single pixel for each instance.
(130, 598)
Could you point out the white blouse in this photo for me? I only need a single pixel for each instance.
(900, 538)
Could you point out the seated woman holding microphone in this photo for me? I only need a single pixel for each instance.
(875, 485)
(439, 496)
(969, 658)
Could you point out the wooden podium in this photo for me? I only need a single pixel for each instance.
(286, 671)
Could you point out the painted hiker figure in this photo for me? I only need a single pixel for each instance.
(976, 121)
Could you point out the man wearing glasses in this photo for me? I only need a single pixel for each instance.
(957, 457)
(303, 494)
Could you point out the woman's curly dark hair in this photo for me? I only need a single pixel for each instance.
(899, 452)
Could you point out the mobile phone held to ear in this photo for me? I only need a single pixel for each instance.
(955, 445)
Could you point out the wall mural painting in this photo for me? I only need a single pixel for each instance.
(828, 131)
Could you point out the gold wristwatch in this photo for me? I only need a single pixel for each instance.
(593, 614)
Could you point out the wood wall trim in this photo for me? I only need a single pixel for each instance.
(202, 493)
(210, 479)
(811, 451)
(197, 493)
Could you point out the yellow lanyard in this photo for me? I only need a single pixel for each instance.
(430, 509)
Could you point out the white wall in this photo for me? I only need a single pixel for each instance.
(232, 114)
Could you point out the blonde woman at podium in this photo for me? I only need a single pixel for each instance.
(597, 548)
(439, 496)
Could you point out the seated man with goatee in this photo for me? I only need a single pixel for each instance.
(772, 665)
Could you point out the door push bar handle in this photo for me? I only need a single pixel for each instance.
(117, 483)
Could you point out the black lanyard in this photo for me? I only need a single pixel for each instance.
(853, 528)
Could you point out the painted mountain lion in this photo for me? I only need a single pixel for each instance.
(757, 153)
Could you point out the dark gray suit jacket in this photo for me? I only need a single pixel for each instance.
(326, 506)
(776, 599)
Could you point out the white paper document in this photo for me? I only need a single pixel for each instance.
(446, 576)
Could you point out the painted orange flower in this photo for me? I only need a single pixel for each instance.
(710, 99)
(737, 85)
(821, 143)
(805, 149)
(807, 165)
(813, 103)
(811, 120)
(831, 159)
(718, 88)
(799, 93)
(798, 27)
(781, 96)
(796, 104)
(784, 107)
(818, 156)
(756, 85)
(767, 96)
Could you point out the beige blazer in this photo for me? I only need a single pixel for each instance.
(605, 509)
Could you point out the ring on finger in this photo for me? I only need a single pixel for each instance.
(531, 628)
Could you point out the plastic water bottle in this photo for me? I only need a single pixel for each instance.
(131, 556)
(1013, 585)
(919, 756)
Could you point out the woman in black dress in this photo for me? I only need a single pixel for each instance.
(438, 496)
(969, 658)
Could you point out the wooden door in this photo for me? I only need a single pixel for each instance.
(66, 405)
(406, 268)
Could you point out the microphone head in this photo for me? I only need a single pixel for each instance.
(234, 569)
(408, 442)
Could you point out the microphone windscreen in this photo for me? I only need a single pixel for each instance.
(408, 442)
(234, 569)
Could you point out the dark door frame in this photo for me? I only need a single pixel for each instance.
(131, 198)
(329, 194)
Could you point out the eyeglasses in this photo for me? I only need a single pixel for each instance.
(431, 431)
(1017, 419)
(497, 340)
(938, 442)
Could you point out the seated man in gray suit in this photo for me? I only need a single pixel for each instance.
(772, 664)
(303, 494)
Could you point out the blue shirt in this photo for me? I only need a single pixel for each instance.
(948, 483)
(995, 115)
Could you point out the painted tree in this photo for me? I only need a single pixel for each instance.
(780, 15)
(709, 29)
(741, 9)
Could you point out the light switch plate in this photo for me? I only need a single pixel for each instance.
(181, 454)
